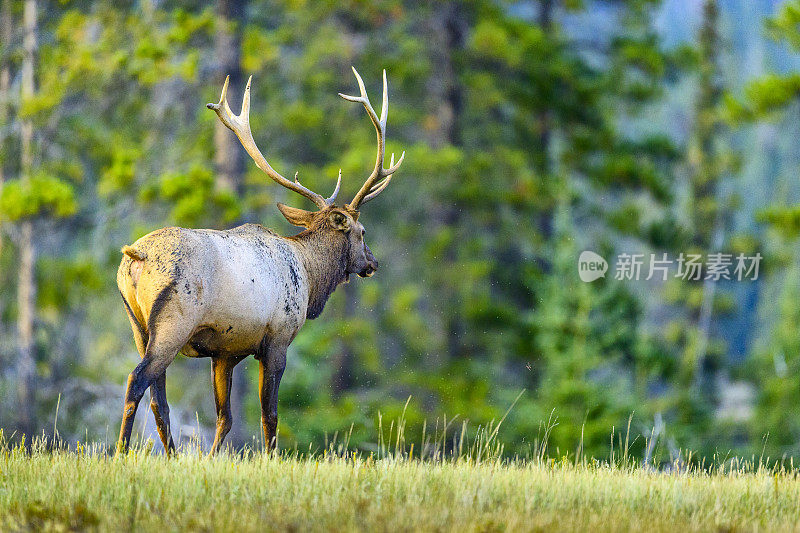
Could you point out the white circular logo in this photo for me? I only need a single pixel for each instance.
(591, 266)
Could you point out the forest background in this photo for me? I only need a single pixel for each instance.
(534, 130)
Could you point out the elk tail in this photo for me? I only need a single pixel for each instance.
(133, 253)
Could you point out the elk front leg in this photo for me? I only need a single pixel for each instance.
(223, 377)
(271, 367)
(158, 403)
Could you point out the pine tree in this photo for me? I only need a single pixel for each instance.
(26, 285)
(773, 98)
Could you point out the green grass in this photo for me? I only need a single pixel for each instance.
(83, 489)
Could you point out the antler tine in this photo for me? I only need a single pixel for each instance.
(223, 103)
(370, 189)
(388, 178)
(240, 125)
(385, 101)
(378, 187)
(332, 197)
(363, 99)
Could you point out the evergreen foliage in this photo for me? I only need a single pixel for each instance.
(533, 131)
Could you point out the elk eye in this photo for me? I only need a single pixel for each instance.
(363, 232)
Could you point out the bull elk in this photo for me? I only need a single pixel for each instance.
(229, 294)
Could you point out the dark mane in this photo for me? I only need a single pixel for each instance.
(325, 261)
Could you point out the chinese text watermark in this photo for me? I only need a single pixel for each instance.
(715, 266)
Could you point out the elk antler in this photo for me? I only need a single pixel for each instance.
(240, 125)
(371, 189)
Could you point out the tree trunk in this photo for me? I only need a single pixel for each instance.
(26, 288)
(543, 119)
(448, 29)
(228, 43)
(708, 217)
(344, 361)
(5, 85)
(5, 82)
(546, 23)
(228, 161)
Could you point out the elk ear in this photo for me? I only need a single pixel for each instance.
(340, 221)
(298, 217)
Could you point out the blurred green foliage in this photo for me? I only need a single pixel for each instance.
(528, 138)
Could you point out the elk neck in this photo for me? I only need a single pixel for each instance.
(324, 255)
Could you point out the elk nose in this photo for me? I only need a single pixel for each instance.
(372, 263)
(369, 270)
(372, 266)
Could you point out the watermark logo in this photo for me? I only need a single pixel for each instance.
(713, 267)
(591, 266)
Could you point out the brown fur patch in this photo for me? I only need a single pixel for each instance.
(159, 303)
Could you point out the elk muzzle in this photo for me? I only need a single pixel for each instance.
(372, 263)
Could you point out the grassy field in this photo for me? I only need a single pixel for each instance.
(84, 489)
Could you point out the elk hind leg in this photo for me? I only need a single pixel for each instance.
(158, 390)
(160, 352)
(160, 408)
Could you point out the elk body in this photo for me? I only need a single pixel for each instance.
(229, 294)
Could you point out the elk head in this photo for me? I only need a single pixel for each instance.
(332, 222)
